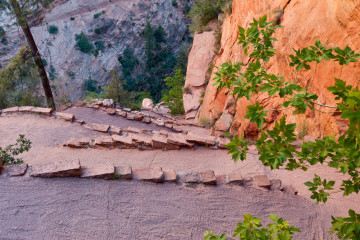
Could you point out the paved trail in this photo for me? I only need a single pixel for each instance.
(99, 209)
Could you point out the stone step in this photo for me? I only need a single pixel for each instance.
(66, 116)
(149, 174)
(201, 139)
(97, 127)
(100, 170)
(68, 168)
(160, 142)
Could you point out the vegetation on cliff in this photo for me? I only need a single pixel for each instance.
(276, 146)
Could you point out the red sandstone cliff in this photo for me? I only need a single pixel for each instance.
(335, 22)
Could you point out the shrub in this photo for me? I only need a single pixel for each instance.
(97, 15)
(99, 45)
(98, 30)
(53, 29)
(44, 62)
(173, 98)
(174, 3)
(7, 155)
(250, 228)
(72, 18)
(187, 90)
(4, 41)
(204, 11)
(2, 32)
(83, 44)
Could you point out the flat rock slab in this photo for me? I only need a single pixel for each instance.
(78, 143)
(69, 168)
(234, 178)
(139, 117)
(123, 172)
(100, 170)
(104, 141)
(43, 111)
(201, 139)
(26, 109)
(97, 127)
(15, 170)
(262, 181)
(188, 177)
(132, 130)
(11, 110)
(123, 140)
(66, 116)
(115, 130)
(169, 175)
(208, 177)
(149, 174)
(179, 139)
(141, 139)
(160, 142)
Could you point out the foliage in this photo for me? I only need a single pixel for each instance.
(173, 97)
(128, 63)
(174, 3)
(19, 81)
(83, 44)
(53, 29)
(204, 11)
(2, 32)
(9, 153)
(250, 229)
(97, 15)
(274, 146)
(72, 18)
(116, 89)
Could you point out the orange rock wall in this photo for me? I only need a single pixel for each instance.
(334, 22)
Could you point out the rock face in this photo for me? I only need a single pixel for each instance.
(121, 23)
(201, 55)
(333, 22)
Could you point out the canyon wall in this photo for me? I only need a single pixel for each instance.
(117, 23)
(335, 23)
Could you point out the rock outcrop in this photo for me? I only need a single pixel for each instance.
(118, 24)
(333, 22)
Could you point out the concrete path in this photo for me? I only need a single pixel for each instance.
(98, 209)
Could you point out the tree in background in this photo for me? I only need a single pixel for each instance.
(275, 146)
(173, 97)
(22, 11)
(19, 81)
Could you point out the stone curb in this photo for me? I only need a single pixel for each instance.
(107, 171)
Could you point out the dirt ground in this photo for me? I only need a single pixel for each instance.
(47, 135)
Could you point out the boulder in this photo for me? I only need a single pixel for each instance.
(275, 185)
(127, 109)
(200, 139)
(139, 117)
(100, 170)
(223, 142)
(149, 174)
(43, 111)
(123, 172)
(27, 109)
(66, 116)
(188, 177)
(160, 142)
(146, 120)
(169, 175)
(147, 104)
(208, 177)
(97, 127)
(224, 122)
(15, 170)
(108, 103)
(111, 111)
(68, 168)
